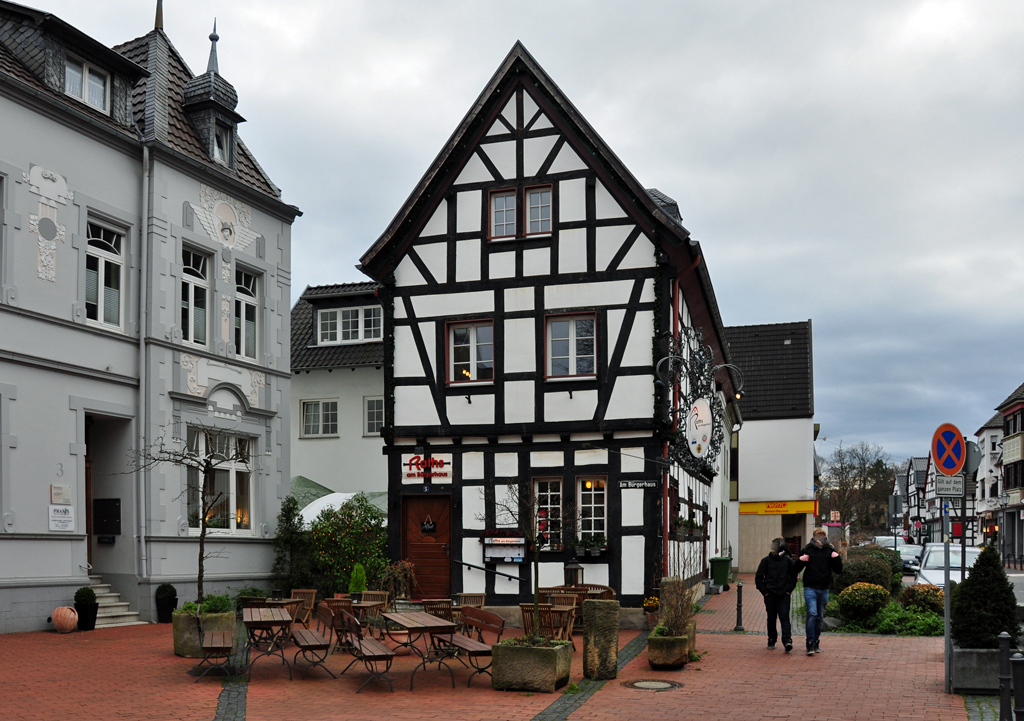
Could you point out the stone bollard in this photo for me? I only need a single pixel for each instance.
(1005, 710)
(600, 639)
(1017, 664)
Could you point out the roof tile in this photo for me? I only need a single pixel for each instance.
(777, 367)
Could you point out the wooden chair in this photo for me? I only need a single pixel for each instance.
(370, 651)
(376, 597)
(543, 625)
(217, 647)
(475, 649)
(294, 607)
(343, 595)
(308, 598)
(476, 600)
(440, 607)
(607, 592)
(315, 644)
(337, 607)
(252, 601)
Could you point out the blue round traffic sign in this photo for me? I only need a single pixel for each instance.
(948, 450)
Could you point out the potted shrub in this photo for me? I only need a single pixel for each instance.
(861, 601)
(671, 641)
(651, 611)
(981, 608)
(166, 602)
(86, 606)
(357, 582)
(579, 547)
(217, 613)
(530, 664)
(596, 545)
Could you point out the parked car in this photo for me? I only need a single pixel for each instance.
(889, 541)
(911, 556)
(932, 563)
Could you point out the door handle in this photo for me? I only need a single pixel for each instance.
(446, 552)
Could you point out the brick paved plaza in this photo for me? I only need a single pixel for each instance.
(131, 673)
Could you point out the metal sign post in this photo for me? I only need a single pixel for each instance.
(945, 592)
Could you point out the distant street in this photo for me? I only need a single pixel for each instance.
(1017, 577)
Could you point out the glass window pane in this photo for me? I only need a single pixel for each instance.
(584, 366)
(462, 372)
(330, 417)
(559, 329)
(485, 371)
(559, 366)
(73, 78)
(372, 322)
(484, 333)
(584, 346)
(585, 327)
(97, 90)
(460, 354)
(199, 314)
(219, 503)
(242, 500)
(92, 287)
(559, 349)
(310, 419)
(185, 311)
(460, 336)
(250, 331)
(350, 324)
(192, 496)
(111, 293)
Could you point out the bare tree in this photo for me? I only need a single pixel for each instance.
(204, 500)
(857, 482)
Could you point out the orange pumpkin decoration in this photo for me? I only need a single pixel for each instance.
(65, 619)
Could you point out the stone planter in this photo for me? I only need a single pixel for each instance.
(186, 633)
(528, 668)
(668, 651)
(975, 670)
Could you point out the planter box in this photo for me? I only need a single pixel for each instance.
(87, 615)
(975, 670)
(186, 634)
(165, 609)
(668, 651)
(526, 668)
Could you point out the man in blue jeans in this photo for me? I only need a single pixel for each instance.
(819, 560)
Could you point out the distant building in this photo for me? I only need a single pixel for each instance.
(776, 492)
(337, 406)
(1012, 526)
(911, 480)
(145, 273)
(989, 476)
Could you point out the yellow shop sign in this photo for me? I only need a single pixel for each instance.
(769, 508)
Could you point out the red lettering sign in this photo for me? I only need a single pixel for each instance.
(424, 468)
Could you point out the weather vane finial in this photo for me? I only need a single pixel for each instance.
(211, 67)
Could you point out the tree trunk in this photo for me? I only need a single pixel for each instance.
(204, 501)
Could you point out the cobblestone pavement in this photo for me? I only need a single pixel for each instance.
(132, 673)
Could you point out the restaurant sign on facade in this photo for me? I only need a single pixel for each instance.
(770, 508)
(433, 467)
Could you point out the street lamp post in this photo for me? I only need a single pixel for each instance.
(1004, 501)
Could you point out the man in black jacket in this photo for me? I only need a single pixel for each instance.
(776, 579)
(819, 560)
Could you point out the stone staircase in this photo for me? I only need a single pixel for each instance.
(113, 611)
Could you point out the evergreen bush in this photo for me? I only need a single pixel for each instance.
(85, 595)
(213, 603)
(861, 601)
(293, 551)
(862, 569)
(886, 555)
(357, 581)
(166, 590)
(343, 536)
(924, 596)
(984, 605)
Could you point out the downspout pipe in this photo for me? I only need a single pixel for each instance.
(142, 570)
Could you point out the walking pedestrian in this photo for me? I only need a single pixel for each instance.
(776, 579)
(818, 561)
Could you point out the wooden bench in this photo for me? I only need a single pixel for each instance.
(315, 644)
(478, 620)
(217, 647)
(370, 651)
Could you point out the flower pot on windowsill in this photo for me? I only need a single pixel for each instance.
(596, 550)
(580, 551)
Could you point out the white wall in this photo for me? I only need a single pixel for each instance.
(777, 460)
(351, 461)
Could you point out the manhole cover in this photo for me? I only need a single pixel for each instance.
(652, 685)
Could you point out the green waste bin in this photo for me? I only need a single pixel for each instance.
(720, 568)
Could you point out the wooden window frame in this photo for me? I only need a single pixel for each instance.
(88, 67)
(580, 480)
(240, 301)
(548, 317)
(449, 362)
(526, 211)
(561, 510)
(514, 192)
(103, 258)
(366, 416)
(193, 281)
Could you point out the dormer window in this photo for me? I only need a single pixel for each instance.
(350, 325)
(86, 83)
(222, 145)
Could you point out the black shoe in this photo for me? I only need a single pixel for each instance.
(789, 647)
(810, 649)
(771, 646)
(817, 648)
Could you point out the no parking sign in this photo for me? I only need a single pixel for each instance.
(948, 450)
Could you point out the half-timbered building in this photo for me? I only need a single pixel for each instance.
(531, 289)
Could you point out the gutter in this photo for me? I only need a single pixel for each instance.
(142, 571)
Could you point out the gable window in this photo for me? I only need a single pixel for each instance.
(221, 144)
(593, 514)
(351, 325)
(373, 416)
(571, 346)
(103, 275)
(245, 314)
(194, 295)
(538, 209)
(86, 83)
(320, 418)
(503, 214)
(471, 352)
(549, 512)
(229, 505)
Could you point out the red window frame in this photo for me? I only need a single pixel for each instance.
(526, 210)
(547, 343)
(514, 192)
(448, 347)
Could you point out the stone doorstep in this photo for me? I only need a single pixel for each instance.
(107, 598)
(117, 618)
(112, 609)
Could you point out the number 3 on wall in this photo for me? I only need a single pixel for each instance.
(60, 470)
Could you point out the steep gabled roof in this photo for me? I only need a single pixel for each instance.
(1016, 397)
(170, 123)
(306, 354)
(996, 421)
(778, 371)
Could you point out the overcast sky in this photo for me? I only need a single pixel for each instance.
(860, 164)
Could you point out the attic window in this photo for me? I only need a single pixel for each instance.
(221, 144)
(86, 83)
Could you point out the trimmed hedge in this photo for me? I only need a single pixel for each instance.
(861, 601)
(862, 569)
(886, 555)
(984, 605)
(924, 596)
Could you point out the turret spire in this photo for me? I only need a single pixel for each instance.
(159, 23)
(211, 67)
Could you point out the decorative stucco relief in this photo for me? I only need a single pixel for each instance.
(48, 185)
(225, 318)
(52, 189)
(257, 380)
(190, 364)
(225, 220)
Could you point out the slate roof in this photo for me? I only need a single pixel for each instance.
(777, 366)
(306, 355)
(670, 206)
(1017, 395)
(995, 421)
(181, 135)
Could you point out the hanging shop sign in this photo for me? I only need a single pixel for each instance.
(699, 424)
(419, 467)
(771, 508)
(428, 525)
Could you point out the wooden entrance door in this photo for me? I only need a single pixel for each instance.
(427, 542)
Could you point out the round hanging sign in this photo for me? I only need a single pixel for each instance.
(698, 427)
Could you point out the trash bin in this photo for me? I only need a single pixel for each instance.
(720, 568)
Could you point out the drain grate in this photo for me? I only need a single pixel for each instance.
(647, 684)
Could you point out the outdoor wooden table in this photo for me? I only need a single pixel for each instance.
(268, 626)
(363, 608)
(420, 624)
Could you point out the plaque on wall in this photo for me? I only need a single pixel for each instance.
(60, 494)
(62, 518)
